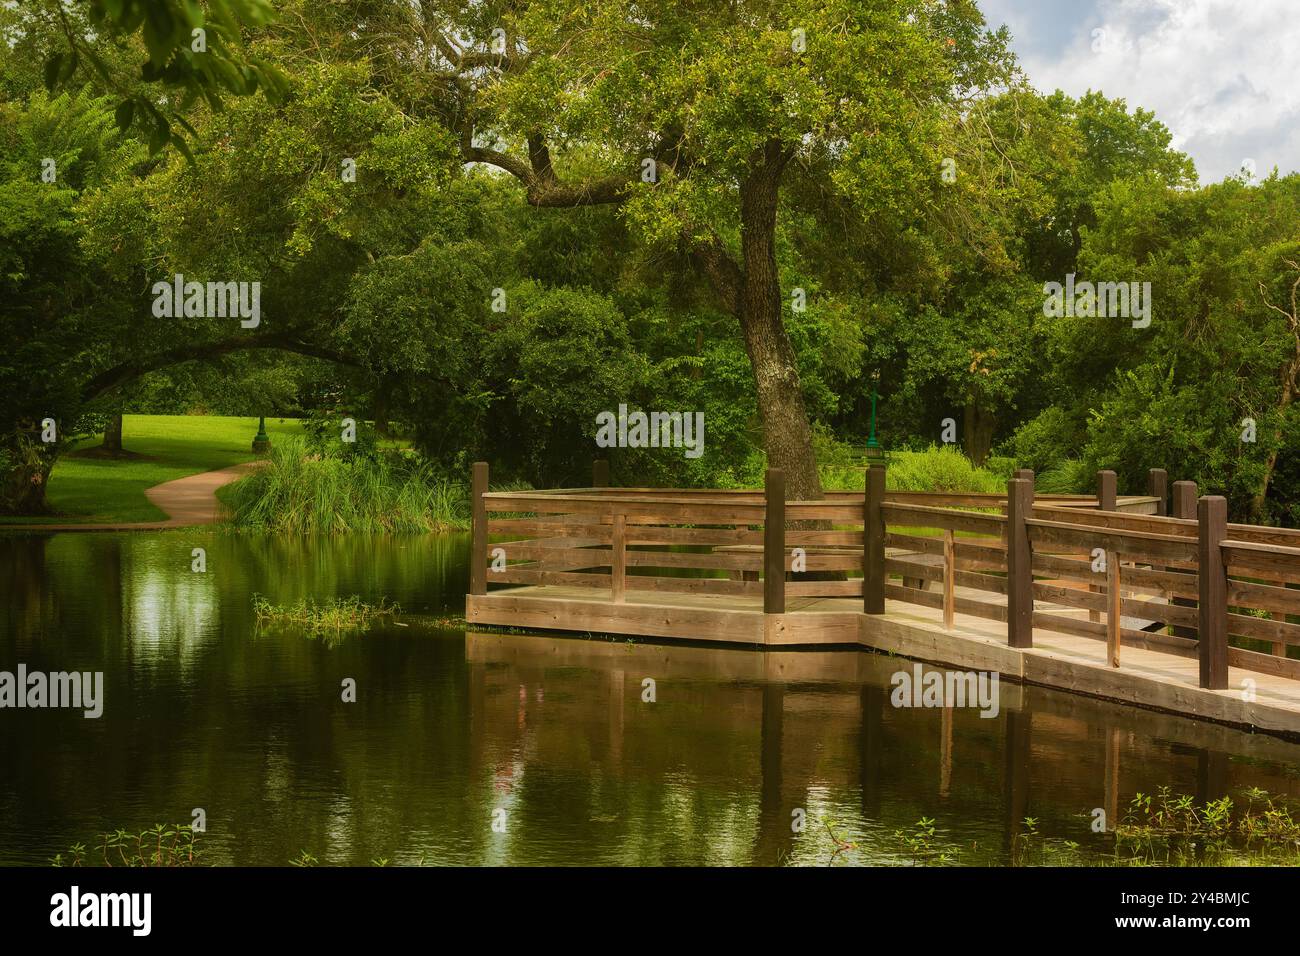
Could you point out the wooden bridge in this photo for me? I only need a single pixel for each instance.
(1100, 594)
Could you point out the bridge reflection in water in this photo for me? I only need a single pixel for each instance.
(816, 731)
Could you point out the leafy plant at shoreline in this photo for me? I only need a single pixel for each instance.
(161, 846)
(336, 614)
(919, 842)
(1173, 830)
(1161, 829)
(296, 493)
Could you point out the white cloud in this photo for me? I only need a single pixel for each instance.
(1221, 74)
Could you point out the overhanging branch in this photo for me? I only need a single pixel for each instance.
(119, 375)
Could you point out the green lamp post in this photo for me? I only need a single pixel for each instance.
(875, 453)
(261, 441)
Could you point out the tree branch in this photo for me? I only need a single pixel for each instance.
(119, 375)
(723, 273)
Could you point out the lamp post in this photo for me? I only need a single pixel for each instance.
(875, 454)
(261, 441)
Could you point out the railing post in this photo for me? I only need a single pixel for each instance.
(774, 542)
(1114, 612)
(1020, 577)
(1184, 505)
(1106, 496)
(600, 473)
(478, 529)
(1212, 518)
(618, 559)
(873, 542)
(1158, 488)
(1028, 475)
(949, 577)
(1106, 491)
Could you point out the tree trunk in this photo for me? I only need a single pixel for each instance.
(380, 411)
(23, 481)
(787, 434)
(113, 436)
(977, 433)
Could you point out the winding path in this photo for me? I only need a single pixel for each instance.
(187, 501)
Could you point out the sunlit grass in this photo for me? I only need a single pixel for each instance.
(84, 489)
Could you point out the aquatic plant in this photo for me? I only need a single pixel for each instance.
(162, 845)
(1160, 829)
(334, 615)
(1164, 828)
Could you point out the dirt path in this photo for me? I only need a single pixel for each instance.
(187, 501)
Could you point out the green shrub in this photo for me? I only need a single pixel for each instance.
(1046, 441)
(940, 469)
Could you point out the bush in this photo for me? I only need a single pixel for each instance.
(300, 494)
(941, 469)
(1046, 441)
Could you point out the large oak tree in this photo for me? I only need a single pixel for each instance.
(696, 117)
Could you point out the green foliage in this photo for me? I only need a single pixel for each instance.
(942, 469)
(562, 357)
(295, 493)
(54, 309)
(193, 51)
(1166, 829)
(1046, 441)
(381, 285)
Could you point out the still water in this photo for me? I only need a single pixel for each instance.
(203, 710)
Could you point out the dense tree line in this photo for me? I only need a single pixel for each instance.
(486, 223)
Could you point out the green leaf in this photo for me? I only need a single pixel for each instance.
(53, 67)
(69, 67)
(159, 137)
(124, 113)
(179, 142)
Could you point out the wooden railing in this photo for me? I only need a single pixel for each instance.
(1031, 562)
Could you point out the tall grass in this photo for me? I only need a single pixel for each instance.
(297, 493)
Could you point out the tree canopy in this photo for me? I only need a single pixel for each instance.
(487, 223)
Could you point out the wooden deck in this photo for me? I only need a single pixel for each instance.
(1152, 678)
(1104, 595)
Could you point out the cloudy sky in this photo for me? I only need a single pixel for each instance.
(1223, 75)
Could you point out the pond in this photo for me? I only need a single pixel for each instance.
(553, 740)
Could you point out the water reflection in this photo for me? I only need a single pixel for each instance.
(552, 738)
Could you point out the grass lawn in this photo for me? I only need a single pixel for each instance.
(171, 446)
